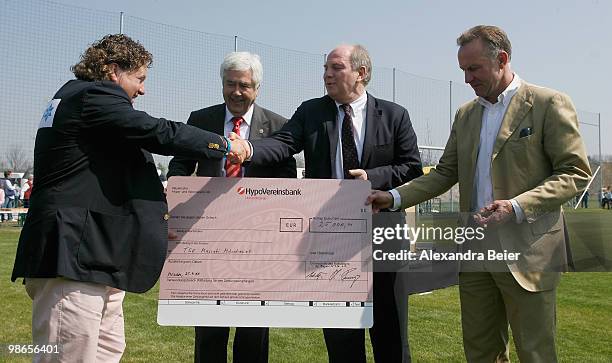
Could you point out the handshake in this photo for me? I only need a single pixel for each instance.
(241, 149)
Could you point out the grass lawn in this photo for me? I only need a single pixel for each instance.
(590, 232)
(584, 314)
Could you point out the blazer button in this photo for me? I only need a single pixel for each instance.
(166, 216)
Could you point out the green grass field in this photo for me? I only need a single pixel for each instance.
(584, 315)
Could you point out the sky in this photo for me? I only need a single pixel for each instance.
(562, 44)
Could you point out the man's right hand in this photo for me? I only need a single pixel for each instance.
(240, 150)
(498, 212)
(380, 200)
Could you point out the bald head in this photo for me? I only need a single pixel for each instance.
(347, 71)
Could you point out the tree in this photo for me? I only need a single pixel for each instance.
(428, 157)
(17, 160)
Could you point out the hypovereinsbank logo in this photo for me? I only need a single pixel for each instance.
(262, 192)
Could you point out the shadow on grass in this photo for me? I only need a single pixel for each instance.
(590, 233)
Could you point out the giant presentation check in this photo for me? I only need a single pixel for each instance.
(267, 252)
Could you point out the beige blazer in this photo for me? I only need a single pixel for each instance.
(540, 171)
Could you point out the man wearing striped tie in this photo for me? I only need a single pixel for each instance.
(241, 74)
(350, 134)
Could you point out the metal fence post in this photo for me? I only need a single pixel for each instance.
(324, 60)
(601, 180)
(393, 84)
(121, 22)
(450, 127)
(235, 43)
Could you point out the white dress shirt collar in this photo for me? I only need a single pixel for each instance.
(356, 106)
(358, 116)
(506, 96)
(247, 117)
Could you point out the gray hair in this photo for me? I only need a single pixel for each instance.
(243, 61)
(492, 37)
(361, 58)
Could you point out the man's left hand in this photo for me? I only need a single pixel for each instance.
(496, 213)
(359, 174)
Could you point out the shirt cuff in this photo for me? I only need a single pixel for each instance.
(251, 151)
(397, 200)
(228, 145)
(518, 211)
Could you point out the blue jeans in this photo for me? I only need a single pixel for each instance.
(8, 203)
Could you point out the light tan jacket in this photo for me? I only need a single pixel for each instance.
(540, 171)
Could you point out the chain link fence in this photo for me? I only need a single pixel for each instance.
(40, 40)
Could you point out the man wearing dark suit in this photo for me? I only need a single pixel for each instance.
(351, 134)
(241, 74)
(517, 154)
(97, 223)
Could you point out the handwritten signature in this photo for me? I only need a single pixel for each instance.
(338, 274)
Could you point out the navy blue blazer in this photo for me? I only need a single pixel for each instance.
(390, 152)
(263, 123)
(98, 211)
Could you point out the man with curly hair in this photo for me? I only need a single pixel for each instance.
(97, 223)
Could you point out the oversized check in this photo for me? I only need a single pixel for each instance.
(267, 252)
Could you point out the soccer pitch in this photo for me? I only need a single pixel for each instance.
(584, 312)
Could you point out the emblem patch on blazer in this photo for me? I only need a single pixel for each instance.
(47, 118)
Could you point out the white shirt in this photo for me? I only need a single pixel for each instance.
(9, 186)
(358, 116)
(492, 117)
(245, 127)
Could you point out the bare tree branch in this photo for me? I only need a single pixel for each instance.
(17, 160)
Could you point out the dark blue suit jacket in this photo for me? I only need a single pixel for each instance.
(390, 152)
(391, 158)
(263, 123)
(98, 211)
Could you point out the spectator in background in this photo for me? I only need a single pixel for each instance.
(608, 196)
(10, 193)
(585, 200)
(577, 200)
(1, 204)
(26, 191)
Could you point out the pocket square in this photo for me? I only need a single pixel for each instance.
(525, 132)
